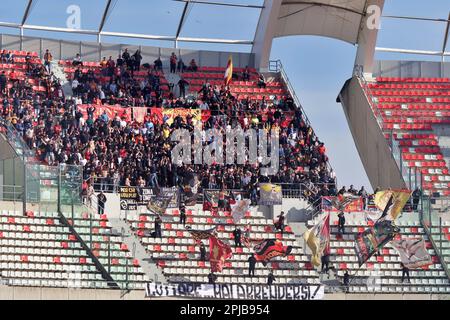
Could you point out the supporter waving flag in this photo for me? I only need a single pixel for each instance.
(270, 248)
(318, 239)
(158, 204)
(219, 252)
(413, 252)
(239, 209)
(229, 71)
(399, 199)
(201, 234)
(373, 239)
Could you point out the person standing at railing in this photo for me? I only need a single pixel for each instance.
(173, 62)
(246, 74)
(363, 194)
(101, 202)
(47, 60)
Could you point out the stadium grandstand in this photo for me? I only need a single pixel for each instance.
(98, 200)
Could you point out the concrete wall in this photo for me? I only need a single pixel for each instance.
(11, 169)
(372, 146)
(93, 51)
(112, 206)
(419, 69)
(36, 293)
(294, 209)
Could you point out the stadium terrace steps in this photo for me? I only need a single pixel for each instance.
(213, 75)
(37, 250)
(58, 72)
(131, 241)
(409, 108)
(382, 274)
(178, 255)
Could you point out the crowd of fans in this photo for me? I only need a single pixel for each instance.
(115, 152)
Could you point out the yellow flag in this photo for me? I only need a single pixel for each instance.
(399, 199)
(318, 238)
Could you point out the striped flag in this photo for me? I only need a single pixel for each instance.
(229, 71)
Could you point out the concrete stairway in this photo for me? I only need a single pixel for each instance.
(58, 72)
(173, 78)
(137, 249)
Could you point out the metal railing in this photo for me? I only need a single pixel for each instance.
(277, 66)
(88, 211)
(435, 219)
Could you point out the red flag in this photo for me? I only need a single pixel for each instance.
(219, 252)
(270, 248)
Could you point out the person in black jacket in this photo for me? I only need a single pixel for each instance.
(237, 237)
(346, 280)
(416, 195)
(270, 278)
(137, 60)
(202, 252)
(101, 202)
(3, 81)
(158, 222)
(341, 223)
(325, 263)
(251, 265)
(212, 278)
(126, 55)
(182, 85)
(405, 273)
(183, 214)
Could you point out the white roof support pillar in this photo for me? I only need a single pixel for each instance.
(367, 36)
(265, 32)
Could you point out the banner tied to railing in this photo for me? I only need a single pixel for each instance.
(236, 291)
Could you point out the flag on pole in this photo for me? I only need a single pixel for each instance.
(270, 248)
(393, 200)
(413, 252)
(219, 252)
(239, 209)
(229, 71)
(367, 243)
(318, 239)
(198, 235)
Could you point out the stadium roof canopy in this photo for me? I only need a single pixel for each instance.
(246, 23)
(332, 18)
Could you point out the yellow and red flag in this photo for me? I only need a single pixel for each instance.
(229, 71)
(399, 199)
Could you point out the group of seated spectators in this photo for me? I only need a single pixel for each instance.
(115, 152)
